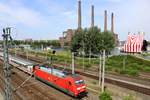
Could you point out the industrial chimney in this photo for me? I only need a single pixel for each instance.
(112, 22)
(92, 16)
(79, 14)
(105, 20)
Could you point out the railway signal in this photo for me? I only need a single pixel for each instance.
(7, 68)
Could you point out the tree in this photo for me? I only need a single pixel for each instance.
(92, 40)
(107, 41)
(76, 43)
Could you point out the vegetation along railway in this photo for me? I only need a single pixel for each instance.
(142, 88)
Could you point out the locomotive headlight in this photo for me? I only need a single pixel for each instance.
(78, 88)
(83, 86)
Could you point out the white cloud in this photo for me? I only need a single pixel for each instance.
(114, 1)
(130, 15)
(20, 15)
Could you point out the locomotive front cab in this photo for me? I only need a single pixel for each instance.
(80, 87)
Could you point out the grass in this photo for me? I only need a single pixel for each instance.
(105, 96)
(133, 65)
(128, 97)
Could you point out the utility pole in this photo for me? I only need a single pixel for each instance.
(100, 69)
(83, 63)
(103, 71)
(27, 54)
(124, 63)
(46, 55)
(15, 51)
(90, 53)
(83, 56)
(72, 62)
(7, 68)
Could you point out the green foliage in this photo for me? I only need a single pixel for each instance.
(38, 43)
(105, 96)
(128, 97)
(133, 65)
(92, 40)
(131, 72)
(107, 41)
(94, 82)
(146, 68)
(87, 65)
(76, 43)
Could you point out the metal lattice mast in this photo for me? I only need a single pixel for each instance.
(7, 68)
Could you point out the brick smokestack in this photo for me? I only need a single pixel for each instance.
(79, 15)
(105, 20)
(92, 16)
(112, 22)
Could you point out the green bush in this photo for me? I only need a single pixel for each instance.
(123, 71)
(105, 96)
(128, 97)
(146, 69)
(109, 68)
(116, 70)
(131, 72)
(135, 66)
(87, 65)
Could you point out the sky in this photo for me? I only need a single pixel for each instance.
(47, 19)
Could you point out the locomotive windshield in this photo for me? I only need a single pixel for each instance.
(79, 82)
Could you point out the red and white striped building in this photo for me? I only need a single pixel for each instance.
(134, 43)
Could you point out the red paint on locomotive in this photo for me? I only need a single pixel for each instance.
(69, 83)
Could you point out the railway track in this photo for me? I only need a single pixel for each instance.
(145, 89)
(15, 96)
(36, 93)
(34, 89)
(39, 59)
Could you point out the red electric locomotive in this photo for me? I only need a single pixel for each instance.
(71, 84)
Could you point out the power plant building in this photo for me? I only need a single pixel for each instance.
(67, 35)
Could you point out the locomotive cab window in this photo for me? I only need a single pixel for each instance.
(78, 82)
